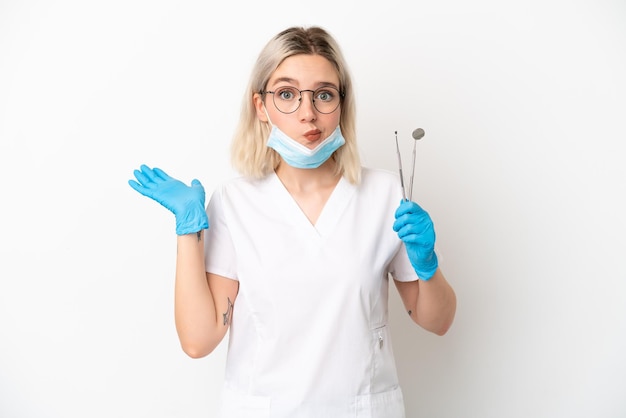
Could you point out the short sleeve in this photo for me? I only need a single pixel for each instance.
(219, 252)
(401, 269)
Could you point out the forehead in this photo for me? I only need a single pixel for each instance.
(305, 71)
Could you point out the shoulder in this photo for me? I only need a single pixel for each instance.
(242, 182)
(379, 176)
(380, 184)
(242, 188)
(237, 195)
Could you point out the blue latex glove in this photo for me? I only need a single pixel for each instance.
(416, 230)
(186, 203)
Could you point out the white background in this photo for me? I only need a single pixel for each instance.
(522, 169)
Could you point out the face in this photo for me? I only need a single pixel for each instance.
(306, 125)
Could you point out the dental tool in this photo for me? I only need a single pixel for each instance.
(400, 168)
(417, 135)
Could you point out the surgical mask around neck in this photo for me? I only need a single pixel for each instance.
(299, 156)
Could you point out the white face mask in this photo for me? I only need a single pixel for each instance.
(299, 156)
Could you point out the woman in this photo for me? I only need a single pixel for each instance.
(297, 259)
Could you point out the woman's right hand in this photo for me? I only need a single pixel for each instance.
(185, 202)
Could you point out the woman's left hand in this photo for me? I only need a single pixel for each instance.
(416, 230)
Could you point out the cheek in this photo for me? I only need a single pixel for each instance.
(333, 121)
(284, 122)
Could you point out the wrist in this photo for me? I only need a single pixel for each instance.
(192, 221)
(425, 267)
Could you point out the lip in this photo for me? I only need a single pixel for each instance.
(313, 135)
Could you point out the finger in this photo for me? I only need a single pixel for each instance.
(407, 207)
(151, 174)
(161, 174)
(399, 224)
(425, 239)
(196, 183)
(420, 218)
(143, 178)
(145, 169)
(414, 230)
(135, 185)
(402, 209)
(141, 189)
(404, 219)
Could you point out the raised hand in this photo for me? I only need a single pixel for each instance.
(185, 202)
(416, 230)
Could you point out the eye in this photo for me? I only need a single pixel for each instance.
(325, 95)
(286, 93)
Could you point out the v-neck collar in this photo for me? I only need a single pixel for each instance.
(331, 211)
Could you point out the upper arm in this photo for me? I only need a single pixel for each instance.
(224, 292)
(408, 291)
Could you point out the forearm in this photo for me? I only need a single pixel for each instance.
(195, 314)
(431, 304)
(436, 304)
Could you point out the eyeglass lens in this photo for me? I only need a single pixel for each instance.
(288, 99)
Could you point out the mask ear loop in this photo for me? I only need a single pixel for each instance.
(267, 115)
(268, 120)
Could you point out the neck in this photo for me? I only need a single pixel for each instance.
(303, 180)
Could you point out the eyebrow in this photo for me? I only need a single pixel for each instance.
(294, 81)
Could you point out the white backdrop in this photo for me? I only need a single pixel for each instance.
(522, 169)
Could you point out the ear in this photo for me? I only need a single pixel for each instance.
(259, 106)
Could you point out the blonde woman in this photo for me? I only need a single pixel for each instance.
(294, 256)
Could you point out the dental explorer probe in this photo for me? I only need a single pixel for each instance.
(400, 167)
(417, 135)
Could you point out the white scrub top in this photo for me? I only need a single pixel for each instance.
(309, 334)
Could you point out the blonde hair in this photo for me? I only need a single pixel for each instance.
(249, 154)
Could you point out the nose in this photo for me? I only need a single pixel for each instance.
(307, 110)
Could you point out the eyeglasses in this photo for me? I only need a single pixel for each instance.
(287, 99)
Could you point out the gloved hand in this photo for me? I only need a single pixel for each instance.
(416, 230)
(186, 203)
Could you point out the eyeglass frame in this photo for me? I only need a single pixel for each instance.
(342, 94)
